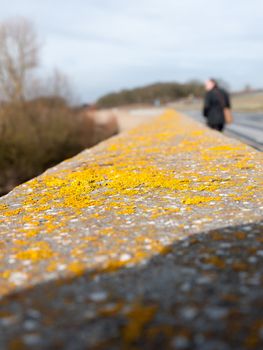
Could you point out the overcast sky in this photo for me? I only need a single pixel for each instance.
(106, 45)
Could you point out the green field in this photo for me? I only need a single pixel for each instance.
(247, 102)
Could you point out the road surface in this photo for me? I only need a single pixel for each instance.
(247, 127)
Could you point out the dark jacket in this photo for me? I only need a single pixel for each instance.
(215, 101)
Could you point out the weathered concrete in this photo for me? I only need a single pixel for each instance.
(149, 240)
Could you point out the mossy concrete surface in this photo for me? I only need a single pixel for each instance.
(149, 240)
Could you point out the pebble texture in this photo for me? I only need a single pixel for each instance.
(149, 240)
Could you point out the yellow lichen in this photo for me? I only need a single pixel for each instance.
(36, 252)
(199, 199)
(143, 175)
(138, 317)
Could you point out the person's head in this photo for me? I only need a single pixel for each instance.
(210, 84)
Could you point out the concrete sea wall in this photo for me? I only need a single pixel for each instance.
(149, 240)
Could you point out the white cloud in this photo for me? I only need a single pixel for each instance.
(110, 44)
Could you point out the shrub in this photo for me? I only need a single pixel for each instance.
(38, 134)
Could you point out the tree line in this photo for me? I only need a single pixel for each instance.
(154, 93)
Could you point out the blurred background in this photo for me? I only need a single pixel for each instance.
(75, 73)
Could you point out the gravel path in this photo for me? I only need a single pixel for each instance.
(129, 118)
(149, 240)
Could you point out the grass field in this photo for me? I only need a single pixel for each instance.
(249, 102)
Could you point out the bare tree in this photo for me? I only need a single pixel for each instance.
(57, 84)
(18, 57)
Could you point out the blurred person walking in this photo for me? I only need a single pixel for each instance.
(217, 108)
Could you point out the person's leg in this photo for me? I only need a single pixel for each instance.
(218, 127)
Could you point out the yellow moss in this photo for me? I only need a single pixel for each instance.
(226, 148)
(216, 261)
(240, 235)
(3, 207)
(239, 266)
(217, 236)
(127, 210)
(77, 268)
(31, 233)
(20, 242)
(244, 165)
(137, 318)
(5, 274)
(52, 266)
(36, 252)
(114, 265)
(17, 344)
(113, 148)
(13, 212)
(199, 200)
